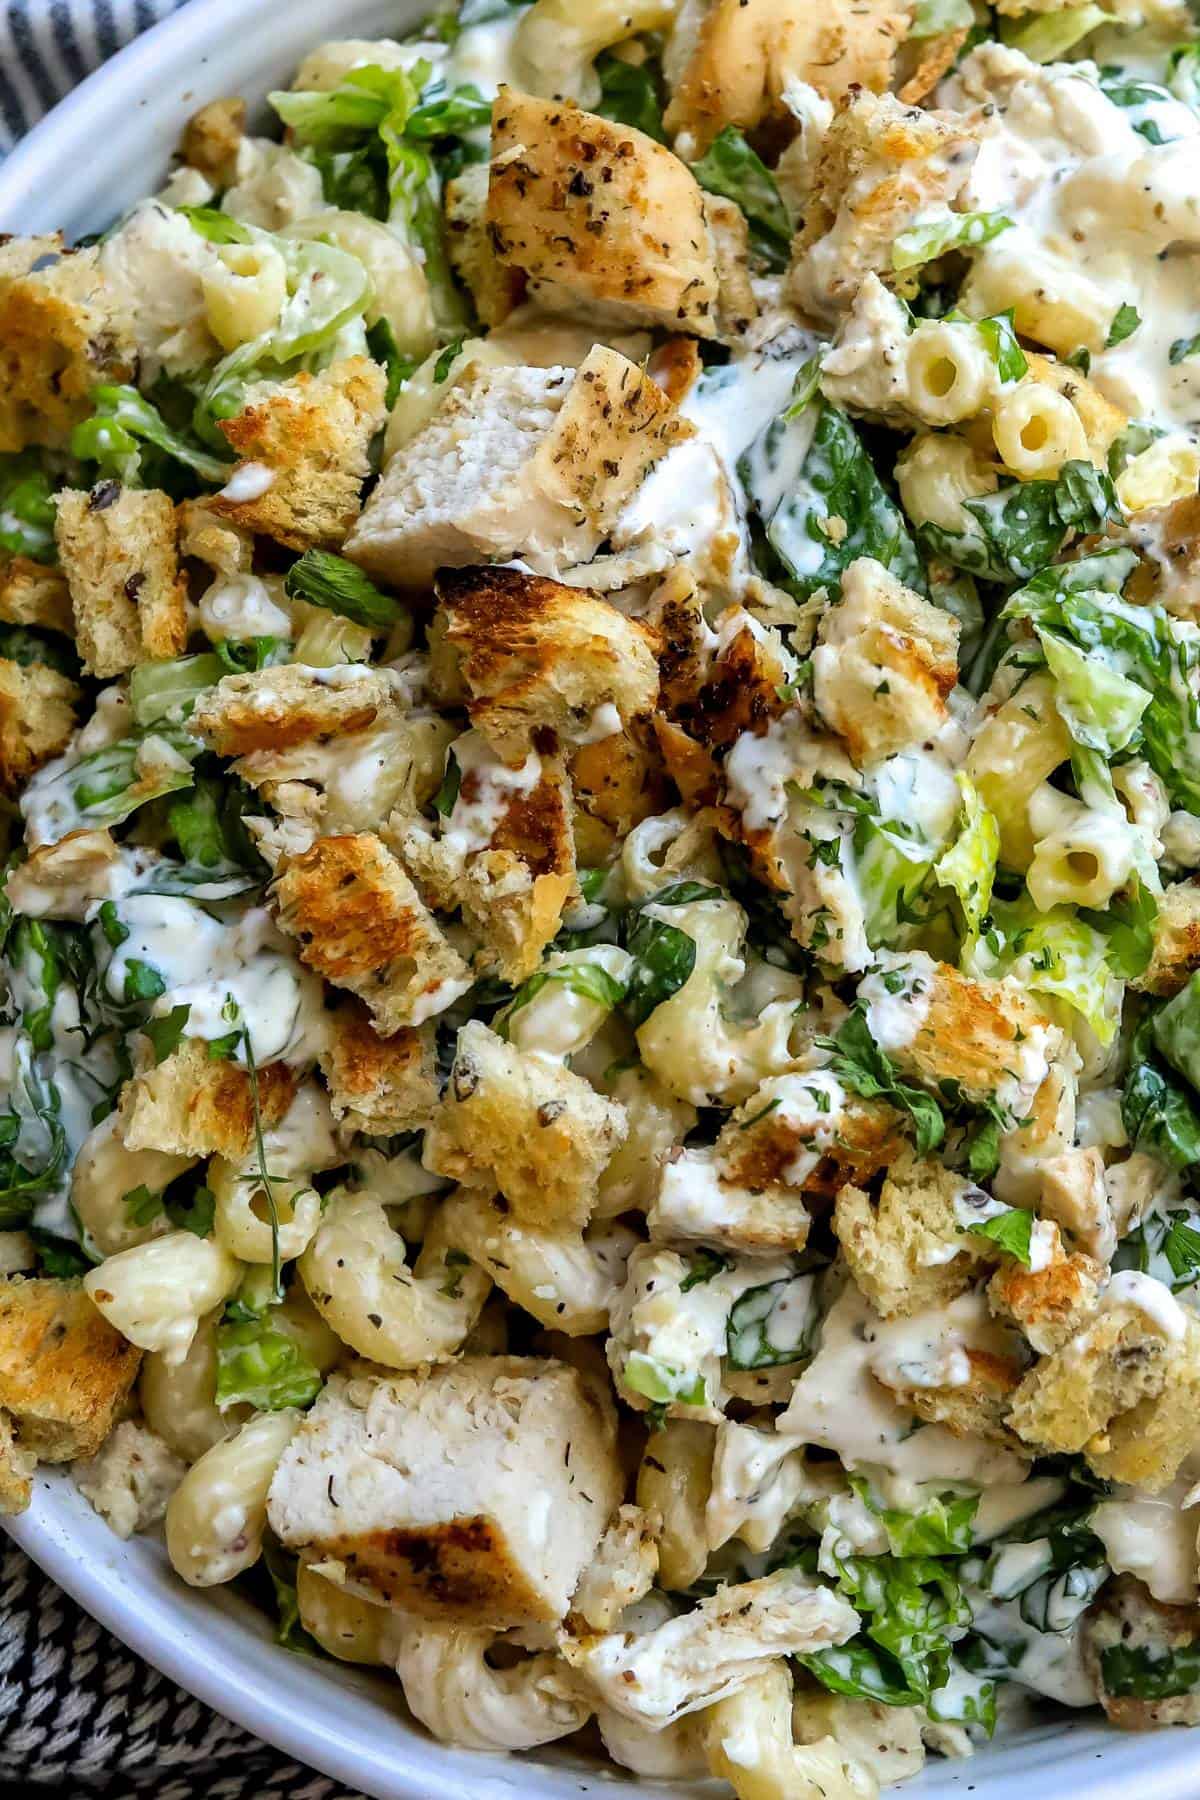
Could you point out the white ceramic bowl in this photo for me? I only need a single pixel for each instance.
(103, 148)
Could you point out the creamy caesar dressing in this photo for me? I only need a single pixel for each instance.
(231, 975)
(1152, 1536)
(237, 607)
(488, 787)
(565, 1013)
(1104, 217)
(249, 482)
(895, 994)
(841, 1403)
(1129, 1287)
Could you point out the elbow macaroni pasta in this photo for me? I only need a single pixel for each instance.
(156, 1293)
(217, 1515)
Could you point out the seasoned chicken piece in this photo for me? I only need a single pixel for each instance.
(130, 1479)
(598, 218)
(712, 1651)
(1050, 1304)
(622, 1570)
(478, 1492)
(1176, 955)
(526, 1125)
(32, 593)
(515, 461)
(533, 655)
(749, 51)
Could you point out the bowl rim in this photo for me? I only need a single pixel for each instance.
(405, 1763)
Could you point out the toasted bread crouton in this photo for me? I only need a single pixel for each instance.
(1127, 1635)
(985, 1039)
(191, 1105)
(494, 287)
(622, 1570)
(748, 50)
(934, 57)
(421, 1486)
(977, 1407)
(224, 547)
(130, 1478)
(16, 1471)
(120, 554)
(616, 782)
(911, 1249)
(311, 434)
(697, 1204)
(686, 644)
(362, 925)
(64, 1371)
(512, 889)
(741, 689)
(884, 664)
(535, 462)
(379, 1085)
(60, 881)
(37, 717)
(525, 1125)
(1176, 955)
(1049, 1304)
(798, 1132)
(1102, 422)
(1145, 1446)
(1069, 1399)
(212, 138)
(598, 218)
(535, 654)
(62, 331)
(31, 593)
(276, 709)
(881, 165)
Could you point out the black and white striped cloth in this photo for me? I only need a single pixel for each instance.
(80, 1715)
(48, 46)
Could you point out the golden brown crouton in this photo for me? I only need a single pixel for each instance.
(1070, 1398)
(763, 1148)
(618, 781)
(696, 1203)
(1176, 954)
(120, 555)
(598, 216)
(524, 1125)
(495, 288)
(513, 893)
(223, 546)
(191, 1105)
(1074, 1195)
(31, 593)
(16, 1471)
(977, 1407)
(747, 50)
(885, 663)
(1145, 1446)
(64, 1371)
(986, 1037)
(37, 717)
(61, 333)
(276, 709)
(379, 1085)
(741, 691)
(312, 434)
(535, 654)
(1049, 1304)
(361, 924)
(934, 57)
(910, 1250)
(1138, 1629)
(212, 138)
(881, 165)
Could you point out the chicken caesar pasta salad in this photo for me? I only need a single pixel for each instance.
(600, 714)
